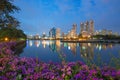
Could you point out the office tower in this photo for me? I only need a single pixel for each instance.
(73, 31)
(52, 32)
(87, 26)
(58, 33)
(74, 26)
(91, 29)
(81, 27)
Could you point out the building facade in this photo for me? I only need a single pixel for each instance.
(52, 32)
(58, 33)
(87, 28)
(91, 27)
(82, 27)
(72, 33)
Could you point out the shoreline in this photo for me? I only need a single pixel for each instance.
(83, 41)
(92, 41)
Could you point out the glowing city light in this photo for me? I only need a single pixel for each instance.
(6, 39)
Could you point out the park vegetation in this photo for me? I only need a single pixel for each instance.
(9, 25)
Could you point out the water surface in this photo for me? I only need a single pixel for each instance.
(90, 53)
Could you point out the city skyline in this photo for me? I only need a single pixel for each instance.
(38, 16)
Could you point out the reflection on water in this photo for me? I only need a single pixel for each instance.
(37, 43)
(19, 47)
(91, 53)
(86, 50)
(84, 47)
(30, 43)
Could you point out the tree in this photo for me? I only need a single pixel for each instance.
(6, 9)
(12, 34)
(9, 24)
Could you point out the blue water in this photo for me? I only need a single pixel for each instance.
(89, 53)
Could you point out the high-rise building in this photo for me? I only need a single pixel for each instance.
(91, 27)
(81, 27)
(52, 32)
(58, 33)
(87, 26)
(73, 31)
(74, 26)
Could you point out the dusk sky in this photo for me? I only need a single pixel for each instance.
(37, 16)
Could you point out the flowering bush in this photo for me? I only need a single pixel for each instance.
(15, 68)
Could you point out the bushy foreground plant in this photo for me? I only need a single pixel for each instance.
(15, 68)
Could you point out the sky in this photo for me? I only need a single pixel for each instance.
(38, 16)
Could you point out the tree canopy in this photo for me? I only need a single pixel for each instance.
(12, 34)
(8, 23)
(7, 8)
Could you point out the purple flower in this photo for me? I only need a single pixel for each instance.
(3, 78)
(69, 68)
(118, 73)
(63, 75)
(92, 72)
(69, 73)
(85, 67)
(77, 76)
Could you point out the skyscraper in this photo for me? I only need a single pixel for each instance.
(81, 27)
(52, 32)
(87, 26)
(58, 33)
(74, 30)
(91, 29)
(72, 33)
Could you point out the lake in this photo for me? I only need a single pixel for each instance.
(90, 53)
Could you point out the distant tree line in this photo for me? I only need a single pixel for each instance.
(107, 37)
(9, 25)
